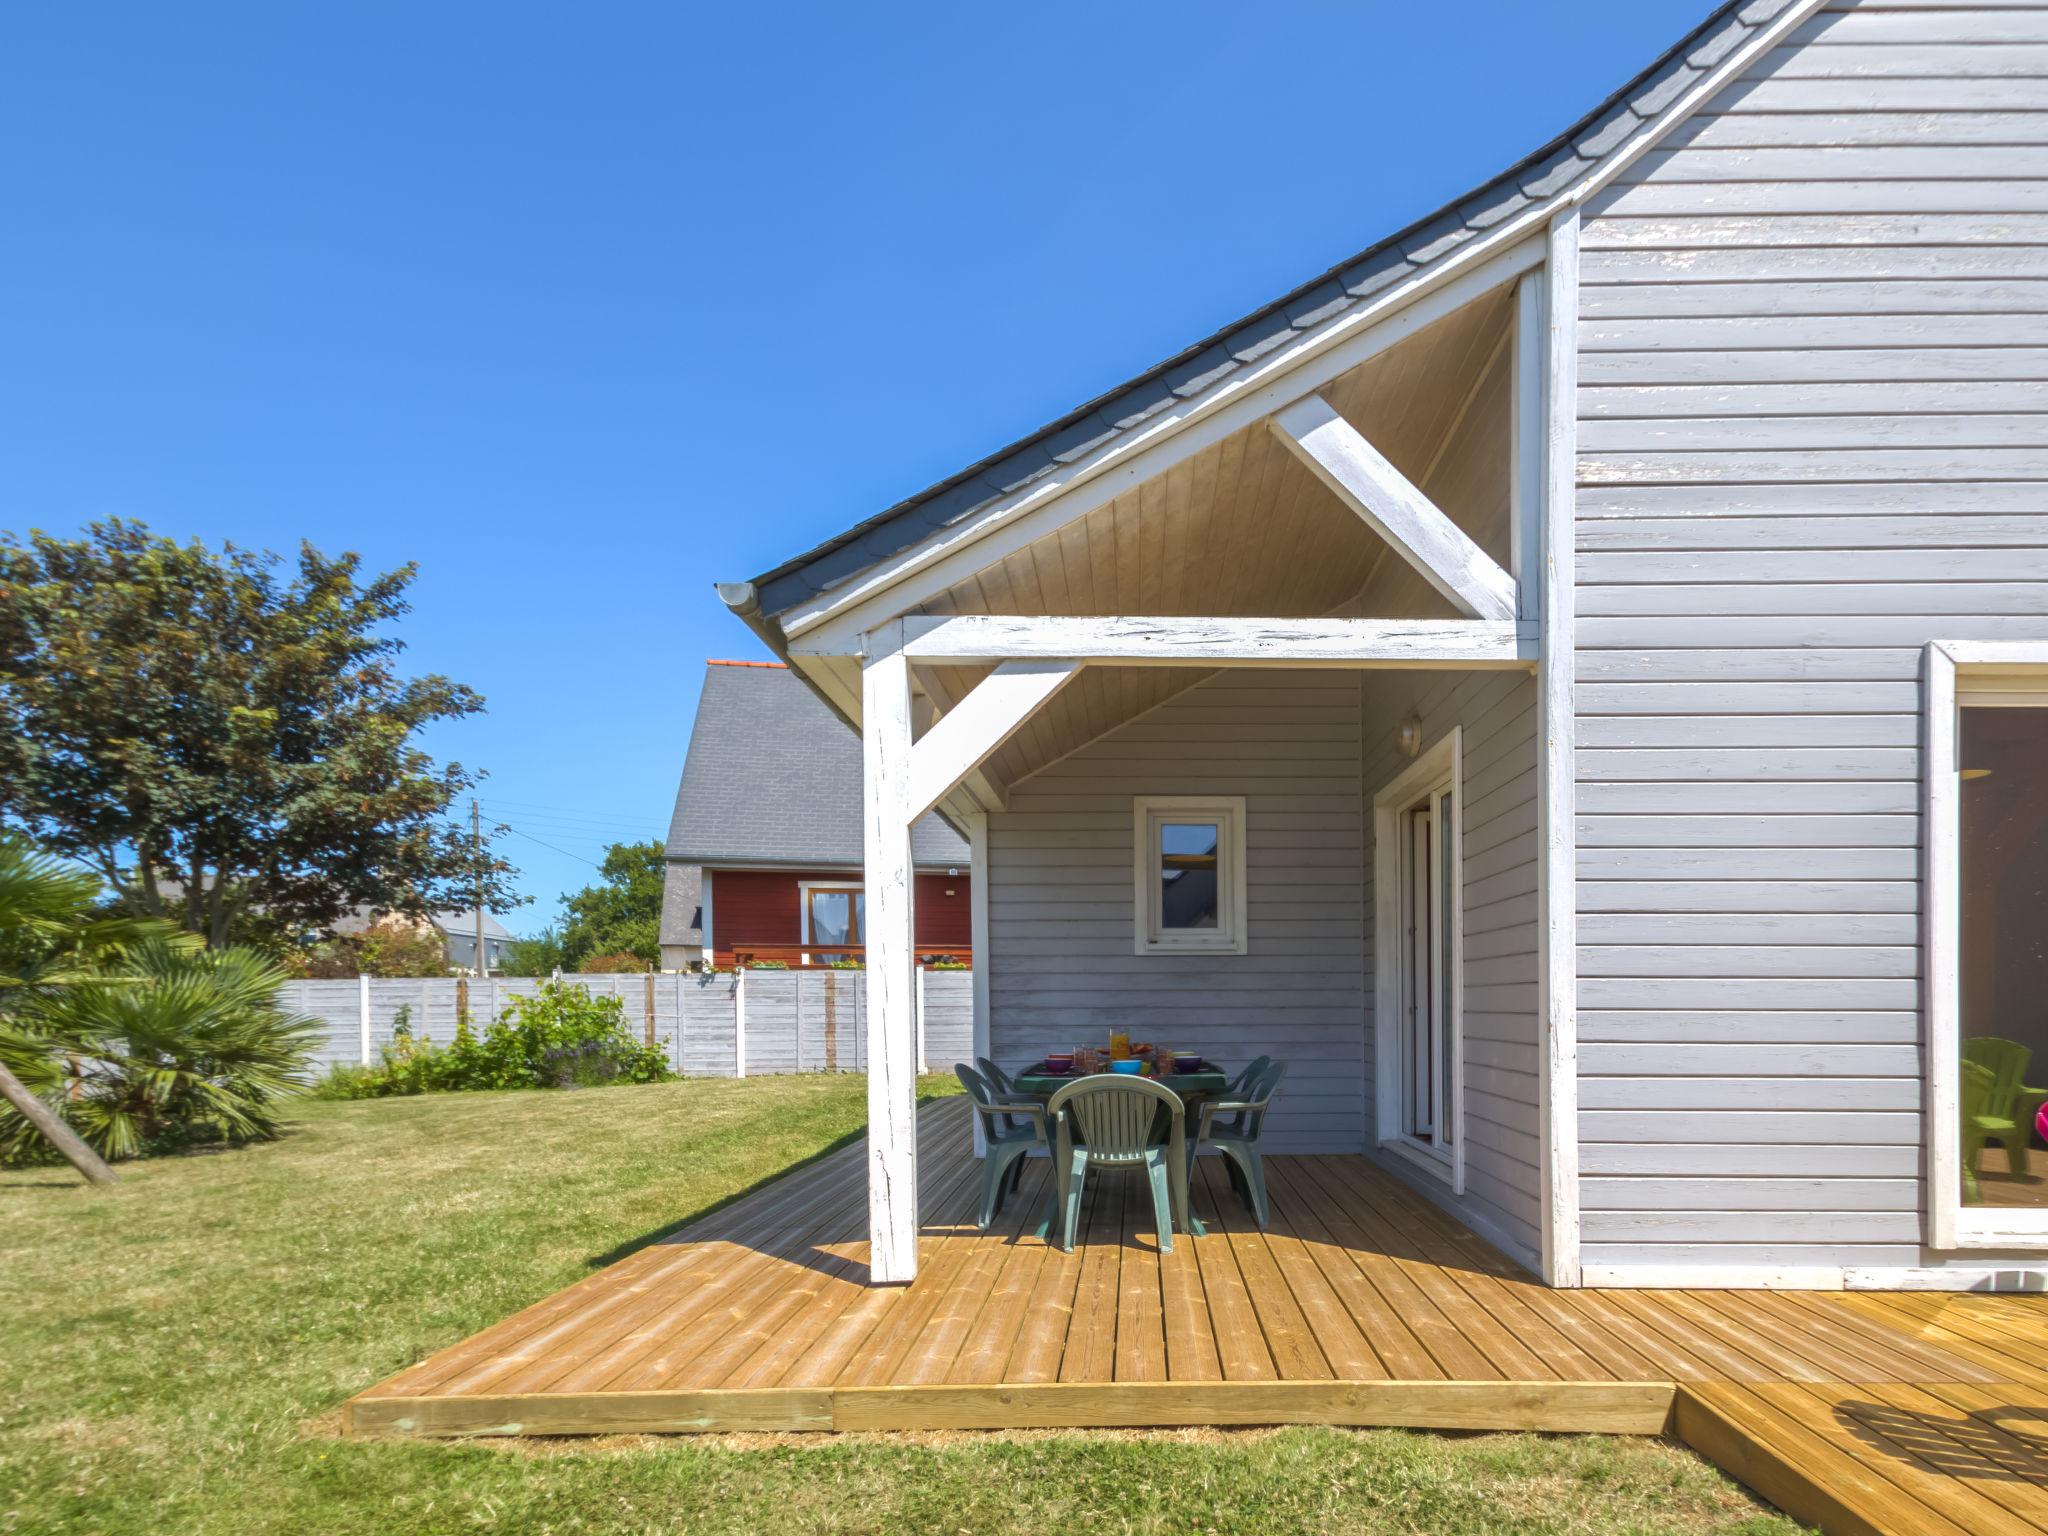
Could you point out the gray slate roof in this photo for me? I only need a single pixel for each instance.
(774, 778)
(1551, 170)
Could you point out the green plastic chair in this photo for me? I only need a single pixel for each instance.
(1236, 1087)
(1974, 1091)
(1009, 1131)
(2005, 1114)
(1115, 1114)
(1002, 1086)
(1237, 1139)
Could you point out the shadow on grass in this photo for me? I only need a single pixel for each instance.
(667, 1230)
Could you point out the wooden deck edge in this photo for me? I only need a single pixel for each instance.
(1705, 1427)
(1565, 1407)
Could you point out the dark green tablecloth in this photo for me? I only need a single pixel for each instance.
(1186, 1084)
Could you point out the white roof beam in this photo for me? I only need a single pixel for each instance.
(1395, 508)
(1219, 642)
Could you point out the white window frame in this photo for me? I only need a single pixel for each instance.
(1441, 761)
(803, 910)
(1951, 667)
(1229, 936)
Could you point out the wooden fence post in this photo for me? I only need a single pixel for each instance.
(739, 1020)
(650, 1007)
(363, 1014)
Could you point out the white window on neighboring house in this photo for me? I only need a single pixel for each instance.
(1189, 877)
(833, 914)
(1986, 968)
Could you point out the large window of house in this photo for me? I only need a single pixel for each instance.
(1987, 963)
(833, 914)
(1417, 887)
(1189, 893)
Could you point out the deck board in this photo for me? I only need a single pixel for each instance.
(1362, 1303)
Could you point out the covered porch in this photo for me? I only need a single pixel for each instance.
(1310, 635)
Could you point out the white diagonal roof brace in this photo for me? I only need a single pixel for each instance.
(962, 738)
(1395, 509)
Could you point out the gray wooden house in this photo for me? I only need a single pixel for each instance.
(1573, 680)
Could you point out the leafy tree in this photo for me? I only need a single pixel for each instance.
(623, 915)
(228, 741)
(620, 961)
(540, 955)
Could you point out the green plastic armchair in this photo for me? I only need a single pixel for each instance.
(1237, 1137)
(1115, 1115)
(1009, 1131)
(2005, 1112)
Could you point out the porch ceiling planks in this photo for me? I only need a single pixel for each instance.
(1243, 529)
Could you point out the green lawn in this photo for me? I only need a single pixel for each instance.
(173, 1352)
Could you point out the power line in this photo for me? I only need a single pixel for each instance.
(565, 853)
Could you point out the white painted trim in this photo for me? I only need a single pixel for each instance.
(891, 961)
(1557, 883)
(977, 936)
(363, 1014)
(834, 620)
(803, 905)
(1217, 642)
(704, 906)
(1386, 501)
(1951, 1225)
(1232, 935)
(1500, 255)
(1818, 1277)
(976, 792)
(1525, 449)
(962, 738)
(1443, 759)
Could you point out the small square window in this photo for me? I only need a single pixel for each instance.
(1190, 876)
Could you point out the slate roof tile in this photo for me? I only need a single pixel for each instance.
(773, 777)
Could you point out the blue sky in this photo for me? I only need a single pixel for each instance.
(586, 307)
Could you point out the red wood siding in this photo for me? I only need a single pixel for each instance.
(763, 906)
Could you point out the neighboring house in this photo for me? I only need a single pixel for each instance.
(1592, 651)
(456, 928)
(769, 814)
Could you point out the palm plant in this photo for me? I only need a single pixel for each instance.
(127, 1029)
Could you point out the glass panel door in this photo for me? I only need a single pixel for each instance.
(2003, 954)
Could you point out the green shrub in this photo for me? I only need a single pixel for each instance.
(561, 1037)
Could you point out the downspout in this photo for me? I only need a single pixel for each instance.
(744, 599)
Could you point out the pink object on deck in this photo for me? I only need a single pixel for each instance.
(2041, 1122)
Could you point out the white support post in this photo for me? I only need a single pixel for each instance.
(977, 917)
(922, 1068)
(1361, 477)
(363, 1014)
(891, 960)
(1557, 884)
(739, 1018)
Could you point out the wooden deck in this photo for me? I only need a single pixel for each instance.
(1363, 1304)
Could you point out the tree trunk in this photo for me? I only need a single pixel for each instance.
(59, 1135)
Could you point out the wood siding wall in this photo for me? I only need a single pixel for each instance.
(1497, 710)
(1061, 967)
(1814, 335)
(1307, 750)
